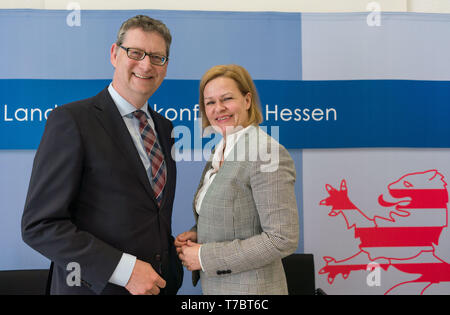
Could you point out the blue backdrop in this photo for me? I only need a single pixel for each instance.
(325, 81)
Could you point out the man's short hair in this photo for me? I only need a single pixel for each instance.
(147, 24)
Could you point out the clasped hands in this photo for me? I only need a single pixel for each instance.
(187, 250)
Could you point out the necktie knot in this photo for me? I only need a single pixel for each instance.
(140, 115)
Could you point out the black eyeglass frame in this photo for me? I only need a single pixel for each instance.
(150, 55)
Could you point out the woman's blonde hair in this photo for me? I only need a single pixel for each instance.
(245, 84)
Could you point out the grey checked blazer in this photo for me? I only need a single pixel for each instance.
(248, 219)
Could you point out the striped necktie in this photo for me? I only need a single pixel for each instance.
(155, 155)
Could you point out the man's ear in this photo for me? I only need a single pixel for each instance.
(114, 52)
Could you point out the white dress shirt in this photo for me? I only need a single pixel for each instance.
(123, 271)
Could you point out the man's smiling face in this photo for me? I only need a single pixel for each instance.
(137, 80)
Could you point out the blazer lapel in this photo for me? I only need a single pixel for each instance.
(200, 185)
(111, 120)
(225, 168)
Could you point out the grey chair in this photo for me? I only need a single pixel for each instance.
(300, 275)
(23, 282)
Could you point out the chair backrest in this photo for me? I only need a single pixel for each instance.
(26, 282)
(299, 269)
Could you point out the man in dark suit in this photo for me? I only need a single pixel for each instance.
(103, 180)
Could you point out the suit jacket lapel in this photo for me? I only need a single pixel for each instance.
(111, 120)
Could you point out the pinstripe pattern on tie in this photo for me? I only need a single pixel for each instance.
(154, 153)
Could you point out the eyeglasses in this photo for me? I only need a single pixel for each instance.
(139, 54)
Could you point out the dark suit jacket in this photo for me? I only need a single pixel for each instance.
(90, 199)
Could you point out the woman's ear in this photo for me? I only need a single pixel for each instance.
(248, 100)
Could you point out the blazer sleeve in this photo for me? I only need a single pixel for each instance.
(274, 196)
(47, 224)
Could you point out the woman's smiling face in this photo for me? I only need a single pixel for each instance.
(225, 106)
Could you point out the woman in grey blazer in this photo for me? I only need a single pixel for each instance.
(245, 207)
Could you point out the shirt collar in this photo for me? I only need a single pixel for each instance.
(234, 137)
(124, 107)
(231, 140)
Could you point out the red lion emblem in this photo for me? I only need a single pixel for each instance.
(404, 237)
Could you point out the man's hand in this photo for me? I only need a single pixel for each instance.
(144, 280)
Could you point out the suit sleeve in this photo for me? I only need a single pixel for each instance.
(274, 196)
(47, 221)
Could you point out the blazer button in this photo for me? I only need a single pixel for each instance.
(219, 272)
(158, 257)
(228, 271)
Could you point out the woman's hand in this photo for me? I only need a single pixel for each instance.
(189, 256)
(181, 239)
